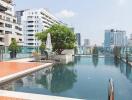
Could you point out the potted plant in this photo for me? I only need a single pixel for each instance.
(42, 48)
(13, 48)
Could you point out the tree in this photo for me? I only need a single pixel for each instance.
(63, 78)
(95, 55)
(117, 51)
(42, 48)
(13, 48)
(62, 37)
(95, 51)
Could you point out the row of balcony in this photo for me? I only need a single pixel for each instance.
(7, 1)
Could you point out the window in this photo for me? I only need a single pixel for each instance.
(18, 28)
(14, 21)
(30, 30)
(30, 44)
(8, 25)
(30, 26)
(8, 19)
(30, 21)
(30, 35)
(8, 32)
(30, 16)
(30, 39)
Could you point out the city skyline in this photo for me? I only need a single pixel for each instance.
(90, 18)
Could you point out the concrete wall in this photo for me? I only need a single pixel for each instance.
(68, 52)
(64, 58)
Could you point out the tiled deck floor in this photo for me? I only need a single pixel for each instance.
(8, 68)
(9, 98)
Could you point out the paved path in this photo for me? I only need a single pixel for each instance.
(8, 68)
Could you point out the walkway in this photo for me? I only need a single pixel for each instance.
(10, 95)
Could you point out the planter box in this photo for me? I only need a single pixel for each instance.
(64, 58)
(68, 52)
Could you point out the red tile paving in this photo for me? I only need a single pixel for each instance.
(9, 98)
(8, 68)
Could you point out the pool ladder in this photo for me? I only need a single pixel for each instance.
(111, 90)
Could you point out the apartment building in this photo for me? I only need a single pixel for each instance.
(115, 38)
(9, 28)
(86, 42)
(33, 21)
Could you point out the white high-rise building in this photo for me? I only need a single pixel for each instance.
(130, 41)
(33, 21)
(9, 28)
(86, 43)
(115, 38)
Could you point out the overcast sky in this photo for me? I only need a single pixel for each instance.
(88, 17)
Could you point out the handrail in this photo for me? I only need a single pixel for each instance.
(111, 90)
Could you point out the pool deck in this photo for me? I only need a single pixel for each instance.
(11, 70)
(9, 95)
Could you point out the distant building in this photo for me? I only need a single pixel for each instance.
(115, 38)
(86, 43)
(78, 37)
(9, 28)
(130, 40)
(33, 21)
(19, 15)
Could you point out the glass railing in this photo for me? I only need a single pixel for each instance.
(24, 52)
(124, 52)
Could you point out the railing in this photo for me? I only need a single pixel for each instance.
(1, 53)
(24, 52)
(111, 90)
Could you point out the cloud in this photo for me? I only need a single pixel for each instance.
(121, 2)
(66, 14)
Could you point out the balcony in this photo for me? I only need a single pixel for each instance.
(2, 35)
(7, 1)
(2, 8)
(2, 41)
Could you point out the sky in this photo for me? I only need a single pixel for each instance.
(88, 17)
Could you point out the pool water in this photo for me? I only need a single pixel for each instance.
(85, 78)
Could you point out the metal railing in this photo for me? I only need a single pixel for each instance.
(111, 90)
(24, 52)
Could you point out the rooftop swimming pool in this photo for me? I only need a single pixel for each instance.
(85, 78)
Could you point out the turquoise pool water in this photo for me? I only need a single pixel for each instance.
(85, 78)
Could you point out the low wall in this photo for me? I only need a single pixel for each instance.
(68, 52)
(64, 58)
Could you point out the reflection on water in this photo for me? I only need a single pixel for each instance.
(56, 79)
(108, 60)
(85, 78)
(124, 68)
(95, 60)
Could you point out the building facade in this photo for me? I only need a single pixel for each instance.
(115, 38)
(9, 28)
(130, 41)
(33, 21)
(78, 38)
(86, 43)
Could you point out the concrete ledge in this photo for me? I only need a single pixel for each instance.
(21, 60)
(64, 58)
(21, 73)
(30, 96)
